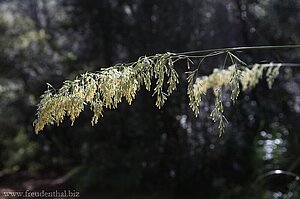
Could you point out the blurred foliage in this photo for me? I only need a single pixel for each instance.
(139, 149)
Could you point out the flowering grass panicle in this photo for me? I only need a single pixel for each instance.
(106, 88)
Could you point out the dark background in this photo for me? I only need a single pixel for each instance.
(139, 151)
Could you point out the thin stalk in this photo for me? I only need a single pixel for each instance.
(240, 48)
(277, 64)
(218, 51)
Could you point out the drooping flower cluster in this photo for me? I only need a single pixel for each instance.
(106, 89)
(227, 79)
